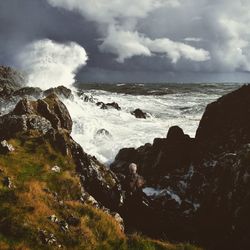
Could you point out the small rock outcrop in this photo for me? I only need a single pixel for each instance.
(60, 91)
(113, 105)
(138, 113)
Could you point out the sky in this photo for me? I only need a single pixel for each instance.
(127, 40)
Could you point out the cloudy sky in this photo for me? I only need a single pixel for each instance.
(128, 40)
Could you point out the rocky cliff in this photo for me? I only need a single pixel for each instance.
(200, 186)
(53, 195)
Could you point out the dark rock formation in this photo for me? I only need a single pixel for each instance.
(60, 91)
(202, 184)
(165, 156)
(50, 119)
(225, 123)
(114, 105)
(138, 113)
(28, 91)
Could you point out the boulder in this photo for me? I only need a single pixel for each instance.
(164, 156)
(60, 91)
(138, 113)
(28, 91)
(113, 105)
(56, 112)
(225, 123)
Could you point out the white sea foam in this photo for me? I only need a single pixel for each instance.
(125, 129)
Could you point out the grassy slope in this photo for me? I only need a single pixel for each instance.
(39, 193)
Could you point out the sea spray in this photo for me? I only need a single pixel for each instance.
(50, 64)
(183, 109)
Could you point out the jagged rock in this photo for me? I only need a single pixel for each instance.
(24, 107)
(56, 112)
(210, 175)
(102, 105)
(41, 115)
(114, 105)
(5, 147)
(28, 91)
(59, 91)
(138, 113)
(47, 238)
(23, 123)
(163, 157)
(225, 123)
(96, 178)
(50, 120)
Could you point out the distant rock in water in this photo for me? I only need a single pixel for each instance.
(114, 105)
(103, 132)
(138, 113)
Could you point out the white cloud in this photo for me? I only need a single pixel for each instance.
(127, 44)
(120, 37)
(215, 32)
(49, 64)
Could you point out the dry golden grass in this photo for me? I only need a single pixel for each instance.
(35, 198)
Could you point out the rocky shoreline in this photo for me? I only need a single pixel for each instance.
(197, 189)
(202, 182)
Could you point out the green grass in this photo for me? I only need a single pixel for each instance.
(24, 210)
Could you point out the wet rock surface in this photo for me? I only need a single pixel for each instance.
(113, 105)
(198, 188)
(138, 113)
(50, 118)
(60, 91)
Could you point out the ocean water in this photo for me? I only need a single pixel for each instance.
(166, 104)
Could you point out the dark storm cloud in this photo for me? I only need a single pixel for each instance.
(146, 40)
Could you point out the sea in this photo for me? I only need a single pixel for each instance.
(166, 105)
